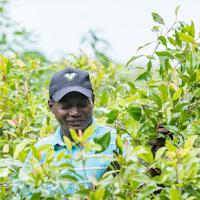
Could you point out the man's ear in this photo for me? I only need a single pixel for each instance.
(93, 98)
(50, 103)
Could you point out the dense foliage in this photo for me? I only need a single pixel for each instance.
(164, 92)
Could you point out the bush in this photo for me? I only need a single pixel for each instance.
(165, 95)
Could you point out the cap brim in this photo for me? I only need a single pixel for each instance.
(60, 94)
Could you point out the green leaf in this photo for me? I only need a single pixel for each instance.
(135, 112)
(167, 114)
(178, 40)
(149, 66)
(157, 99)
(186, 38)
(8, 66)
(103, 141)
(67, 142)
(157, 18)
(104, 98)
(155, 28)
(88, 133)
(45, 147)
(177, 94)
(130, 99)
(99, 194)
(132, 85)
(192, 191)
(69, 177)
(36, 196)
(174, 193)
(190, 141)
(172, 41)
(36, 153)
(177, 9)
(49, 156)
(66, 165)
(61, 154)
(160, 152)
(132, 126)
(170, 146)
(147, 155)
(164, 54)
(143, 76)
(132, 59)
(163, 40)
(147, 44)
(180, 107)
(192, 29)
(119, 142)
(112, 116)
(163, 92)
(74, 135)
(92, 146)
(172, 129)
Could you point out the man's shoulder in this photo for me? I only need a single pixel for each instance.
(102, 129)
(51, 139)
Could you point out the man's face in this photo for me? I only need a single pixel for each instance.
(73, 111)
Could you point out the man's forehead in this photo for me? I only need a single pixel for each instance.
(73, 95)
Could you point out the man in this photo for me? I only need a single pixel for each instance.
(72, 101)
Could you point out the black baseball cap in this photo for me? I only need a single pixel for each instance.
(70, 80)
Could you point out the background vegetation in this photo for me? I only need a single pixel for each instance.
(139, 101)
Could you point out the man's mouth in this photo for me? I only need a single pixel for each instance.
(75, 122)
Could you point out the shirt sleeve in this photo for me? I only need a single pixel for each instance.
(50, 140)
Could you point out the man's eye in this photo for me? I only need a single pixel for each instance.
(83, 104)
(65, 106)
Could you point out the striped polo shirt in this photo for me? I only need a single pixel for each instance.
(94, 165)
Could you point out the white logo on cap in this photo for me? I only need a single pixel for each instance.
(70, 76)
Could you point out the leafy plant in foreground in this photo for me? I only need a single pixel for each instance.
(155, 165)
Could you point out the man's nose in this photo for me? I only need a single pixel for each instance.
(74, 111)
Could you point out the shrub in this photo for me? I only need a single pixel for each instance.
(165, 95)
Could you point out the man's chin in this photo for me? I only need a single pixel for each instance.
(76, 128)
(76, 125)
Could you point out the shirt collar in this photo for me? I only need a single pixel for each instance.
(59, 135)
